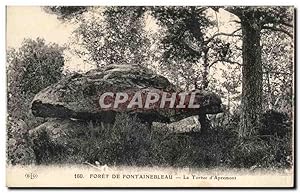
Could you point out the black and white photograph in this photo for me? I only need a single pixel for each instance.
(150, 96)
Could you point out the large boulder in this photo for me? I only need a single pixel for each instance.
(76, 141)
(77, 96)
(53, 141)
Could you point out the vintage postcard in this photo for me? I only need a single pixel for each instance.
(150, 96)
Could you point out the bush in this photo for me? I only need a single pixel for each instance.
(259, 153)
(18, 148)
(30, 68)
(275, 123)
(272, 147)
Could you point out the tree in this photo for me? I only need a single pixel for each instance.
(187, 46)
(186, 43)
(30, 68)
(66, 12)
(253, 20)
(114, 36)
(108, 35)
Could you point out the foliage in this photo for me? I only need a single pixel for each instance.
(30, 68)
(275, 123)
(66, 12)
(18, 148)
(187, 49)
(113, 35)
(277, 58)
(182, 24)
(258, 153)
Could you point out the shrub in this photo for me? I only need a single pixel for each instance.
(272, 147)
(275, 123)
(18, 149)
(259, 153)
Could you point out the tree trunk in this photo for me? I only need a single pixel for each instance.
(204, 122)
(206, 69)
(252, 77)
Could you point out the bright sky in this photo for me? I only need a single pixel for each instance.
(32, 22)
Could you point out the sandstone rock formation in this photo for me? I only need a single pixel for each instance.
(72, 105)
(77, 96)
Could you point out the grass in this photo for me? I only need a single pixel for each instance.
(129, 142)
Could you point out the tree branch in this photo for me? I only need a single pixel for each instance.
(225, 60)
(277, 72)
(224, 34)
(279, 22)
(286, 24)
(236, 21)
(238, 48)
(278, 29)
(234, 10)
